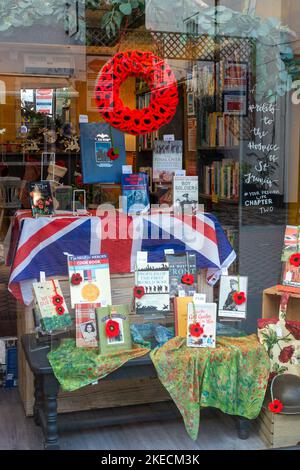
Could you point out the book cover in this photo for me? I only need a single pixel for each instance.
(154, 278)
(181, 312)
(148, 171)
(41, 200)
(291, 245)
(114, 329)
(53, 316)
(135, 193)
(180, 264)
(201, 325)
(95, 142)
(86, 326)
(89, 279)
(167, 158)
(185, 192)
(64, 197)
(229, 286)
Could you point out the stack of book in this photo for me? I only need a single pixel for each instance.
(221, 178)
(221, 130)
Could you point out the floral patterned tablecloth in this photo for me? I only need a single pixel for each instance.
(76, 367)
(233, 377)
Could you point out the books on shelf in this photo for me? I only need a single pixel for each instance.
(221, 178)
(145, 141)
(221, 130)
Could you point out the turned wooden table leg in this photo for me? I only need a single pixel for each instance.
(50, 388)
(38, 399)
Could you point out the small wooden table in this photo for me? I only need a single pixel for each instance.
(46, 388)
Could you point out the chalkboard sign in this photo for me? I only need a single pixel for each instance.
(263, 165)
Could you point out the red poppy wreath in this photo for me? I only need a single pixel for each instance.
(163, 92)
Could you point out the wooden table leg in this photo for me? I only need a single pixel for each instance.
(38, 399)
(50, 389)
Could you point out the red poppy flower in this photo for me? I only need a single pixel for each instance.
(138, 292)
(76, 279)
(275, 406)
(78, 180)
(60, 309)
(188, 279)
(286, 354)
(113, 153)
(57, 299)
(112, 328)
(295, 259)
(239, 298)
(196, 330)
(294, 328)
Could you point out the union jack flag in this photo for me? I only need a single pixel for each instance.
(42, 244)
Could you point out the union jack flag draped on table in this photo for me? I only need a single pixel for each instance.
(42, 244)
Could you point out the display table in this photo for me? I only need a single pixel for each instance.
(42, 244)
(47, 387)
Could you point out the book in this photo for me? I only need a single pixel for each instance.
(51, 317)
(201, 325)
(122, 339)
(154, 278)
(180, 264)
(86, 326)
(95, 142)
(185, 192)
(148, 171)
(221, 178)
(92, 281)
(164, 194)
(180, 313)
(167, 158)
(229, 286)
(41, 200)
(135, 193)
(291, 245)
(64, 197)
(110, 194)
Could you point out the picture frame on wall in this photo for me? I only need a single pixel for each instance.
(190, 104)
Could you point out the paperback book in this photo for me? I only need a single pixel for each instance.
(201, 325)
(41, 200)
(50, 305)
(154, 279)
(185, 193)
(135, 193)
(114, 329)
(89, 279)
(167, 158)
(180, 265)
(86, 326)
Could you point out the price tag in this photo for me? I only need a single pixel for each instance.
(141, 257)
(126, 169)
(181, 293)
(199, 298)
(169, 251)
(169, 137)
(180, 172)
(42, 276)
(83, 118)
(288, 276)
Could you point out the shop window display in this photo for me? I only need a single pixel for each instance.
(148, 182)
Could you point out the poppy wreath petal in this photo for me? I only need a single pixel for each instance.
(239, 298)
(163, 88)
(275, 406)
(138, 292)
(188, 279)
(295, 259)
(112, 329)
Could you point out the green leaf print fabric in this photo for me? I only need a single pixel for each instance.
(232, 377)
(76, 367)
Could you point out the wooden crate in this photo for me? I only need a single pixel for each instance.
(278, 430)
(271, 302)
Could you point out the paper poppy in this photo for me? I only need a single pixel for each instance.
(239, 298)
(57, 299)
(60, 309)
(76, 279)
(188, 279)
(112, 329)
(138, 292)
(196, 330)
(275, 406)
(295, 259)
(113, 153)
(163, 92)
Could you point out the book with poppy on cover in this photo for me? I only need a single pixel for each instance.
(179, 265)
(89, 279)
(291, 257)
(114, 329)
(53, 316)
(41, 200)
(86, 326)
(201, 325)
